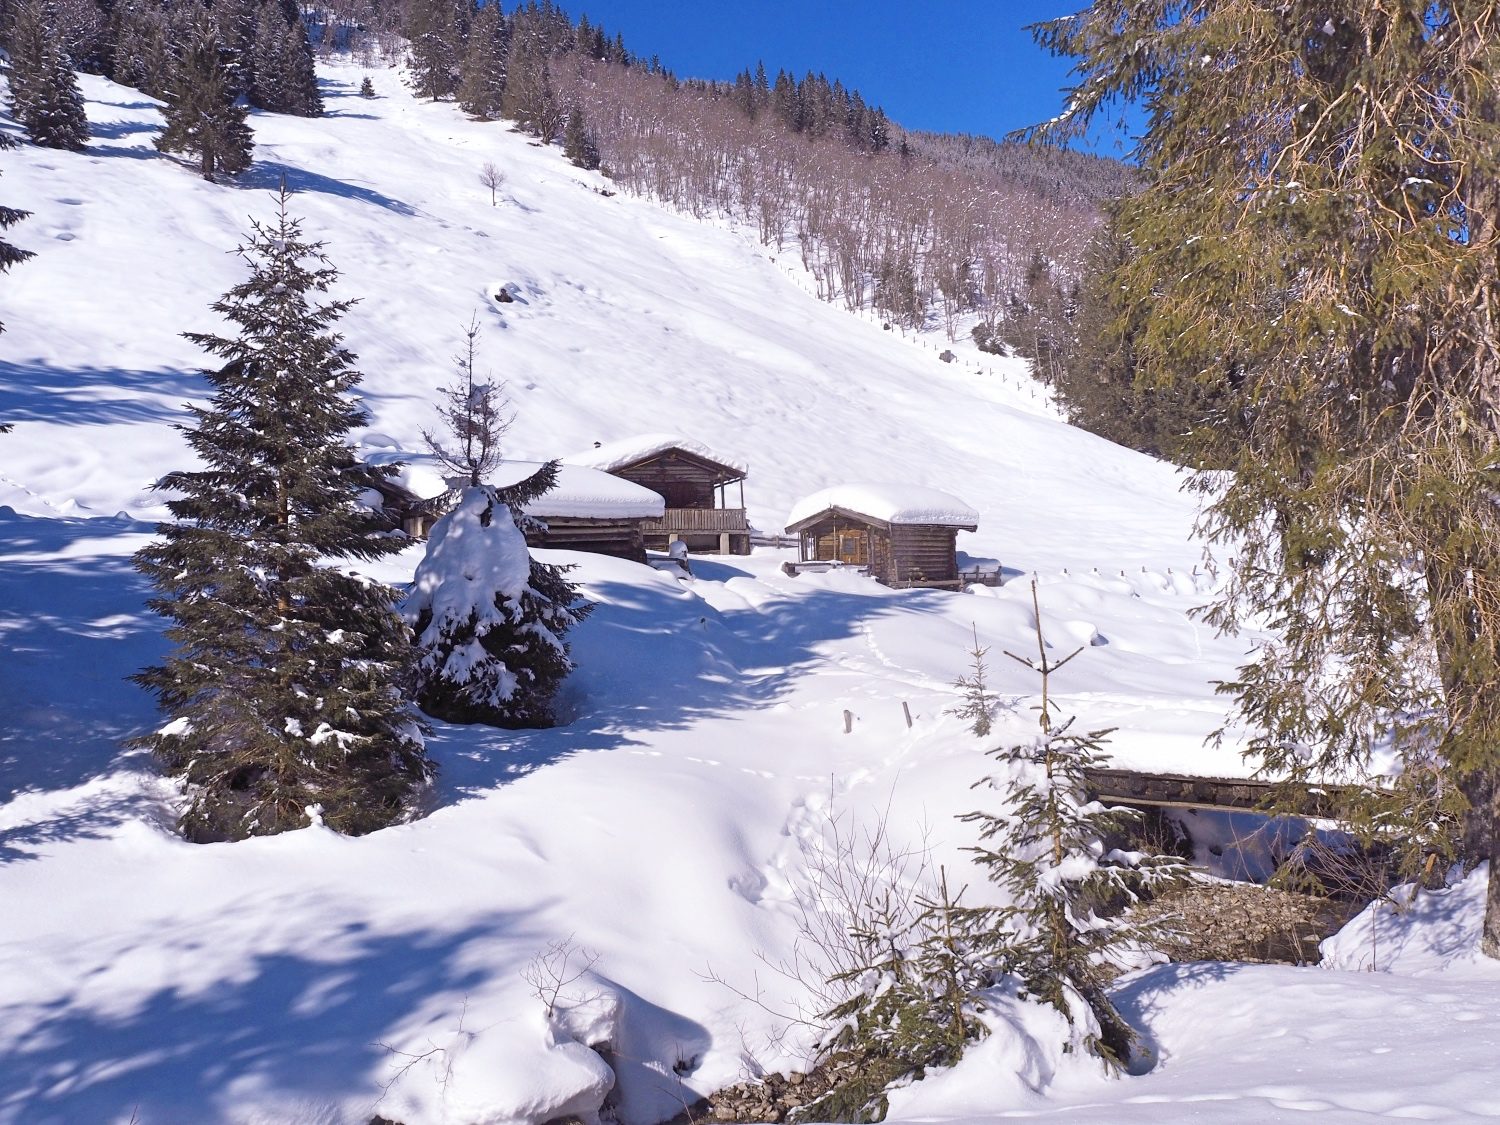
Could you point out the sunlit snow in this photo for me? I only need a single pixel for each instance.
(657, 841)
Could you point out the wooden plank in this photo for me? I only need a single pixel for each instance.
(924, 554)
(1132, 787)
(677, 521)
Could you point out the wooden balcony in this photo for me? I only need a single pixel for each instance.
(703, 529)
(683, 521)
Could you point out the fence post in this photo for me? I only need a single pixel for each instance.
(848, 722)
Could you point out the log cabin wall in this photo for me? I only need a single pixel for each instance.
(922, 554)
(621, 538)
(683, 481)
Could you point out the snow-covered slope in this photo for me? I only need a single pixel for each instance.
(668, 827)
(626, 319)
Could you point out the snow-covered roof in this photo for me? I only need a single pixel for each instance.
(421, 474)
(888, 503)
(617, 454)
(580, 493)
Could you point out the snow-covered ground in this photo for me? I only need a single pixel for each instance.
(664, 833)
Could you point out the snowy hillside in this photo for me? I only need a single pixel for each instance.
(667, 832)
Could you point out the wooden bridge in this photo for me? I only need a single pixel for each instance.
(1180, 791)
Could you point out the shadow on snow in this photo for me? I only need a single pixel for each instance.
(73, 626)
(304, 1026)
(75, 396)
(654, 657)
(269, 175)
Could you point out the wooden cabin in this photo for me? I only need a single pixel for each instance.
(586, 510)
(589, 510)
(696, 484)
(901, 535)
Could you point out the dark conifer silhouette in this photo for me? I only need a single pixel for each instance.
(437, 33)
(202, 118)
(481, 86)
(285, 689)
(281, 65)
(44, 95)
(579, 145)
(10, 255)
(141, 58)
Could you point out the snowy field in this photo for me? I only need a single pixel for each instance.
(665, 834)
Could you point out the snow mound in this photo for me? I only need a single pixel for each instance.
(889, 503)
(421, 474)
(469, 560)
(1416, 932)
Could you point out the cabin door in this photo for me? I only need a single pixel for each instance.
(854, 548)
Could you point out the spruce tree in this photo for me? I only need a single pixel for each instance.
(489, 619)
(1060, 933)
(366, 87)
(140, 58)
(978, 707)
(10, 255)
(578, 142)
(1316, 243)
(281, 65)
(44, 94)
(202, 117)
(285, 687)
(437, 33)
(481, 87)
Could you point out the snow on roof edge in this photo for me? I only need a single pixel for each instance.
(888, 503)
(580, 492)
(627, 451)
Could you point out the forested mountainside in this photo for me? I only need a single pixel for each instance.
(916, 226)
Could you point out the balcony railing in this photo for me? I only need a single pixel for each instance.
(683, 521)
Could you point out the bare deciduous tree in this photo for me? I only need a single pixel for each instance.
(492, 178)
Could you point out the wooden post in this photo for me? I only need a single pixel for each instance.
(723, 542)
(906, 710)
(848, 722)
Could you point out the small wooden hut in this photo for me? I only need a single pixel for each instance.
(693, 481)
(901, 535)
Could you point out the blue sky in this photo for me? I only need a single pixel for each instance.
(950, 65)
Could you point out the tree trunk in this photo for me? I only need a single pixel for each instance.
(1489, 943)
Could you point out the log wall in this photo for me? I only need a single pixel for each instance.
(921, 555)
(683, 482)
(621, 538)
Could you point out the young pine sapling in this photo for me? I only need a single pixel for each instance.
(489, 619)
(1062, 931)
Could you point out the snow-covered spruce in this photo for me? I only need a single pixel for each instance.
(286, 686)
(1058, 936)
(490, 619)
(44, 94)
(203, 116)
